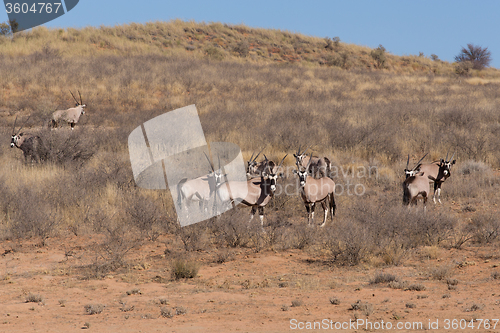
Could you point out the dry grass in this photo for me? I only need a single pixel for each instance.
(260, 88)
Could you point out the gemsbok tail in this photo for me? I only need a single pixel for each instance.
(333, 206)
(406, 194)
(179, 192)
(328, 168)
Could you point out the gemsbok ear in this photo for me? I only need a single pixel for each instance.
(453, 162)
(294, 172)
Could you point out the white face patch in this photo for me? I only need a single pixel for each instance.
(410, 173)
(302, 177)
(273, 182)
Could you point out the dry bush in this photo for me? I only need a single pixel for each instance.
(385, 230)
(30, 214)
(441, 272)
(484, 227)
(145, 215)
(182, 269)
(194, 237)
(232, 229)
(166, 312)
(364, 307)
(349, 243)
(383, 278)
(334, 300)
(111, 252)
(92, 309)
(75, 147)
(34, 298)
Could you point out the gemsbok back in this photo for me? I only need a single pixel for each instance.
(414, 187)
(437, 172)
(256, 192)
(319, 167)
(31, 145)
(314, 190)
(70, 116)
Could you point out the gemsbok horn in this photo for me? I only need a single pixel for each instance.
(314, 190)
(414, 171)
(200, 189)
(256, 192)
(31, 145)
(254, 168)
(437, 172)
(70, 116)
(319, 167)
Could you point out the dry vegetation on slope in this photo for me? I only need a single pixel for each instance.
(256, 88)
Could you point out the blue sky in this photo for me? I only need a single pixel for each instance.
(439, 27)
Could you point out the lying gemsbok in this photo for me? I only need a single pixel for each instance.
(31, 145)
(70, 116)
(415, 185)
(256, 192)
(318, 167)
(437, 172)
(314, 190)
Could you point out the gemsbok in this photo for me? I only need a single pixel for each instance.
(201, 189)
(70, 116)
(254, 168)
(31, 145)
(437, 172)
(415, 186)
(415, 170)
(313, 190)
(256, 192)
(319, 167)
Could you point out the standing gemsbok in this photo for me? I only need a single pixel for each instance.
(256, 192)
(415, 185)
(254, 168)
(201, 189)
(31, 145)
(314, 190)
(319, 167)
(70, 116)
(437, 172)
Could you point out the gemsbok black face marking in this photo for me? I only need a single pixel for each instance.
(414, 171)
(319, 167)
(314, 190)
(255, 192)
(31, 145)
(70, 116)
(437, 172)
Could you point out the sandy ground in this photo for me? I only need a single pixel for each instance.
(253, 292)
